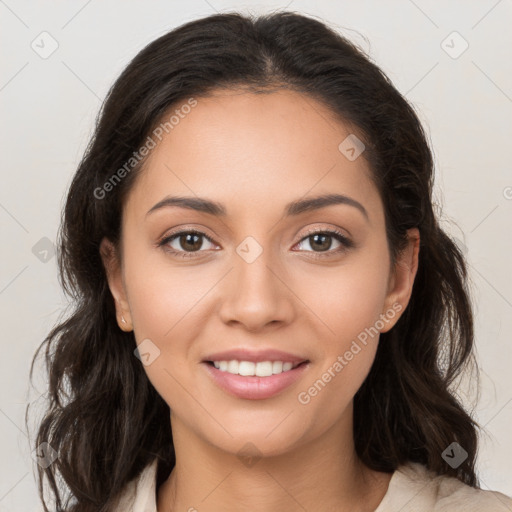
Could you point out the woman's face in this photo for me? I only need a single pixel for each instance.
(256, 278)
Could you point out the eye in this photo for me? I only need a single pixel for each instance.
(185, 243)
(320, 241)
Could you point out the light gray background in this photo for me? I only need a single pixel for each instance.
(48, 106)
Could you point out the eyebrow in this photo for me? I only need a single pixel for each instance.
(291, 209)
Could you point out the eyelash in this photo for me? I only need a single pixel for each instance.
(340, 237)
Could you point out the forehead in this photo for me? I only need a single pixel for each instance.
(253, 150)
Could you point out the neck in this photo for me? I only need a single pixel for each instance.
(322, 474)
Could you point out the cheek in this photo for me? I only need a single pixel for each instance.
(350, 307)
(162, 294)
(348, 299)
(164, 305)
(159, 303)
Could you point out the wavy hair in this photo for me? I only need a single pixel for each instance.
(103, 417)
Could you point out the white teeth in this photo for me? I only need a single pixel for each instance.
(248, 368)
(277, 367)
(263, 369)
(245, 367)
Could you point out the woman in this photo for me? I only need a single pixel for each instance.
(268, 315)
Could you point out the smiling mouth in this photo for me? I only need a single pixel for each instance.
(255, 381)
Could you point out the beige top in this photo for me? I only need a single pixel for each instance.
(411, 489)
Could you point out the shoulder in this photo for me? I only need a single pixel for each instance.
(139, 495)
(414, 488)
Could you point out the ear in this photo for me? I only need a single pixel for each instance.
(401, 279)
(111, 262)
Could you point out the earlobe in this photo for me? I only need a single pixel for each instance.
(402, 278)
(111, 263)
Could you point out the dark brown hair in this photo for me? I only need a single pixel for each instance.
(104, 418)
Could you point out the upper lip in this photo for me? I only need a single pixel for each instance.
(242, 354)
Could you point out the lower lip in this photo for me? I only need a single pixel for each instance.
(252, 387)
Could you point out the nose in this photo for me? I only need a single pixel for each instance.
(256, 295)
